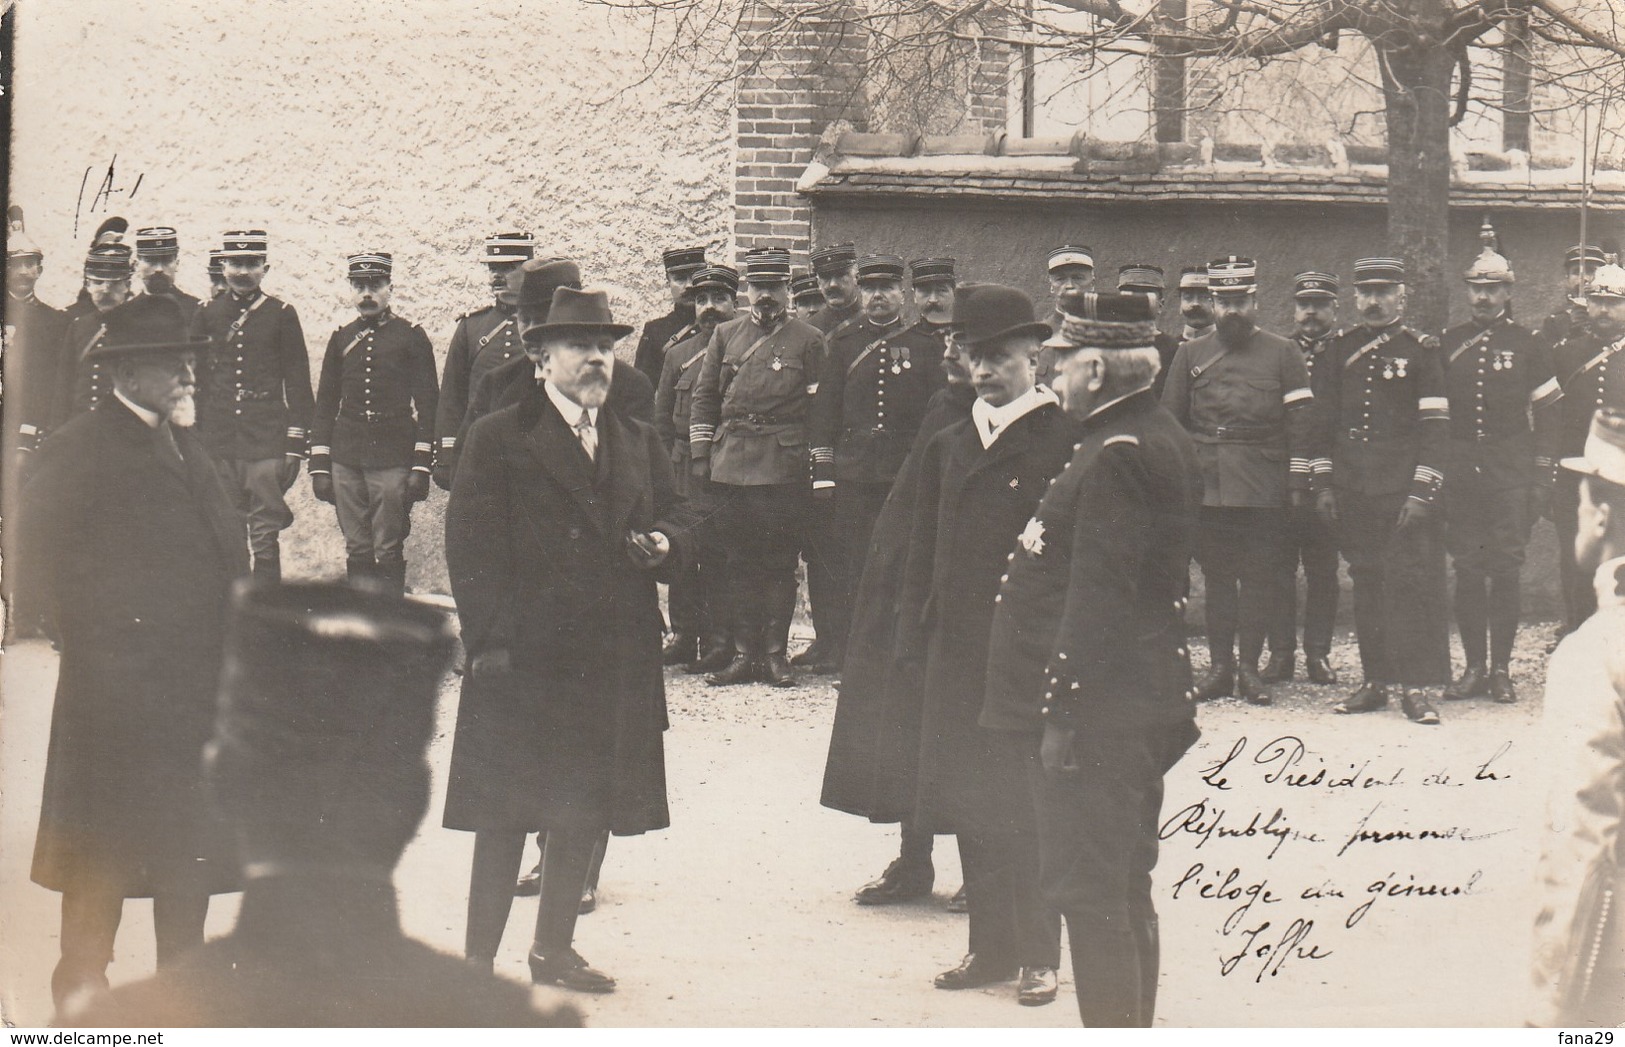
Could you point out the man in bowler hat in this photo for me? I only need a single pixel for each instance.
(560, 520)
(131, 546)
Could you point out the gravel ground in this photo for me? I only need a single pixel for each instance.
(741, 913)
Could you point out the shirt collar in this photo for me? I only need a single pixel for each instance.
(1195, 332)
(1610, 582)
(991, 422)
(149, 417)
(567, 407)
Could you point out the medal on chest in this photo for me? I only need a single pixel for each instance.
(778, 362)
(1032, 537)
(899, 359)
(1395, 367)
(1502, 360)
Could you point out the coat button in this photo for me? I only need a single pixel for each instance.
(575, 532)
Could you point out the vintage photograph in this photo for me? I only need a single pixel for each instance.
(814, 513)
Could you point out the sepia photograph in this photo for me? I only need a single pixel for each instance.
(859, 514)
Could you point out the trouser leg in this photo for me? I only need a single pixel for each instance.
(566, 859)
(783, 508)
(353, 503)
(1260, 534)
(1365, 527)
(1472, 613)
(497, 854)
(177, 923)
(742, 533)
(1318, 546)
(915, 846)
(1505, 599)
(716, 596)
(1283, 615)
(389, 518)
(597, 865)
(1513, 520)
(90, 919)
(268, 513)
(989, 898)
(820, 549)
(1216, 553)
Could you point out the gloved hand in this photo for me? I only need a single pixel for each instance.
(287, 472)
(417, 486)
(1326, 507)
(1413, 513)
(1055, 751)
(321, 485)
(648, 549)
(487, 664)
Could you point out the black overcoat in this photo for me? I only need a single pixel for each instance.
(131, 554)
(536, 539)
(876, 735)
(972, 504)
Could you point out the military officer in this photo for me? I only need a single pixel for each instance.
(1147, 279)
(33, 337)
(1498, 376)
(217, 275)
(805, 296)
(748, 434)
(1087, 660)
(157, 257)
(484, 339)
(1309, 538)
(870, 399)
(659, 333)
(698, 597)
(1383, 388)
(1243, 394)
(1195, 303)
(1580, 264)
(1071, 270)
(254, 396)
(371, 442)
(82, 382)
(1591, 369)
(835, 270)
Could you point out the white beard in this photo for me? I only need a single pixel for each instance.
(184, 413)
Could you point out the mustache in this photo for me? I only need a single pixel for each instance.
(709, 314)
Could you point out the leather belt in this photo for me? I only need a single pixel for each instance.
(374, 416)
(252, 395)
(1241, 433)
(762, 419)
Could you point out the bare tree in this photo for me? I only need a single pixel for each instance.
(1430, 60)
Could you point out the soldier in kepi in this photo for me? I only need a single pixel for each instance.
(157, 257)
(871, 396)
(1590, 367)
(1147, 279)
(254, 398)
(371, 448)
(701, 618)
(1195, 303)
(1071, 271)
(1580, 265)
(217, 275)
(1310, 538)
(1383, 395)
(659, 333)
(1498, 376)
(748, 436)
(805, 297)
(81, 382)
(1243, 395)
(484, 339)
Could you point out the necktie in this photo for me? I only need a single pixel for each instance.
(167, 444)
(588, 435)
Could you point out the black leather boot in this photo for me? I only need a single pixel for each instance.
(746, 667)
(1250, 687)
(1281, 667)
(1369, 698)
(715, 655)
(1474, 683)
(1220, 682)
(359, 571)
(1501, 689)
(681, 649)
(1319, 668)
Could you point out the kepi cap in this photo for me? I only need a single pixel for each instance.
(156, 240)
(931, 270)
(508, 247)
(1140, 276)
(804, 286)
(1070, 254)
(1091, 320)
(1193, 278)
(834, 258)
(767, 265)
(1314, 284)
(680, 261)
(1378, 270)
(1232, 273)
(725, 277)
(245, 243)
(371, 265)
(1593, 255)
(108, 261)
(880, 268)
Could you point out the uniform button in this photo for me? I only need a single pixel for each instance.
(1190, 696)
(1004, 578)
(998, 598)
(1183, 652)
(1012, 556)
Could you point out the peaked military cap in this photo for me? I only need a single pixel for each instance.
(880, 268)
(1313, 284)
(156, 240)
(108, 261)
(245, 243)
(1140, 276)
(767, 265)
(804, 285)
(371, 265)
(1071, 254)
(680, 261)
(1232, 273)
(509, 247)
(1371, 271)
(1193, 278)
(931, 270)
(834, 258)
(725, 277)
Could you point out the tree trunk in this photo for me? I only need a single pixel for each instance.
(1416, 87)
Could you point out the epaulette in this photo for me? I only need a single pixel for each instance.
(1128, 439)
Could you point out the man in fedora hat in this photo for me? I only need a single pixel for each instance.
(870, 399)
(131, 546)
(1383, 397)
(980, 481)
(254, 396)
(561, 518)
(1579, 954)
(1498, 376)
(81, 384)
(1590, 366)
(372, 438)
(749, 436)
(1310, 537)
(701, 619)
(659, 334)
(1088, 669)
(157, 258)
(319, 763)
(483, 339)
(630, 395)
(1243, 394)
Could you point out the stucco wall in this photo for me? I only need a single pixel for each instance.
(416, 127)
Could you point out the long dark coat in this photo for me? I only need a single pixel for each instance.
(875, 739)
(972, 505)
(132, 554)
(536, 547)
